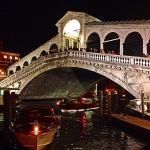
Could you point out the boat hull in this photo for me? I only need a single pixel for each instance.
(35, 127)
(77, 107)
(36, 142)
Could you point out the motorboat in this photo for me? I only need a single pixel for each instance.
(35, 128)
(81, 104)
(134, 108)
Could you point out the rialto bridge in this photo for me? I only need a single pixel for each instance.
(131, 73)
(77, 31)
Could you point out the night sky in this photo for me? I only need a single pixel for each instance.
(27, 24)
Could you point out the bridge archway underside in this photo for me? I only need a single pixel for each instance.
(61, 82)
(132, 78)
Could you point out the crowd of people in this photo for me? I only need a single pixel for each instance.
(96, 51)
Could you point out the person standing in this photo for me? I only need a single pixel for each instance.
(115, 101)
(122, 105)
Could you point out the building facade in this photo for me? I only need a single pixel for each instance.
(6, 60)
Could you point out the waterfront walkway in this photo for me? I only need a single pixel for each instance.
(138, 123)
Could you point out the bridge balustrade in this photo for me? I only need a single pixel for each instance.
(140, 63)
(131, 60)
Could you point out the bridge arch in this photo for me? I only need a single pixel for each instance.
(93, 41)
(85, 65)
(53, 46)
(43, 53)
(25, 64)
(18, 68)
(132, 42)
(71, 32)
(34, 58)
(112, 43)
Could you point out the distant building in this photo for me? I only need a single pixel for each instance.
(6, 60)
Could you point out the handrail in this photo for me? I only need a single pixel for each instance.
(140, 63)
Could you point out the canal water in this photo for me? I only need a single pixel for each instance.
(86, 131)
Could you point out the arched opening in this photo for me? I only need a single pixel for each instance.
(53, 49)
(34, 58)
(93, 42)
(53, 46)
(71, 34)
(43, 53)
(133, 45)
(18, 68)
(112, 43)
(11, 72)
(25, 64)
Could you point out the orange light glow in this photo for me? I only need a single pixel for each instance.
(36, 129)
(5, 56)
(16, 58)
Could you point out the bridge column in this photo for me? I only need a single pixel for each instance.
(144, 47)
(101, 46)
(121, 47)
(61, 38)
(82, 35)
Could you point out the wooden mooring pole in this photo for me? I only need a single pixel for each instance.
(101, 109)
(7, 113)
(142, 100)
(6, 108)
(109, 105)
(12, 105)
(9, 106)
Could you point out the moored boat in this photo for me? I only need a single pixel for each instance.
(35, 128)
(82, 104)
(134, 108)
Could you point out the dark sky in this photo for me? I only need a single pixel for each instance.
(27, 24)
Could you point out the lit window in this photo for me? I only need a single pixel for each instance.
(16, 58)
(5, 56)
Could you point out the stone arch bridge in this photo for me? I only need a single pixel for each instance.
(131, 73)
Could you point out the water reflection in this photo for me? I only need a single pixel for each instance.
(85, 131)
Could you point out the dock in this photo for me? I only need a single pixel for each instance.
(135, 122)
(135, 125)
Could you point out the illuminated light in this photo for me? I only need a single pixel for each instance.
(72, 28)
(16, 58)
(5, 56)
(10, 57)
(58, 102)
(52, 111)
(36, 129)
(2, 72)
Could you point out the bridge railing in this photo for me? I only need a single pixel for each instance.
(130, 61)
(120, 59)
